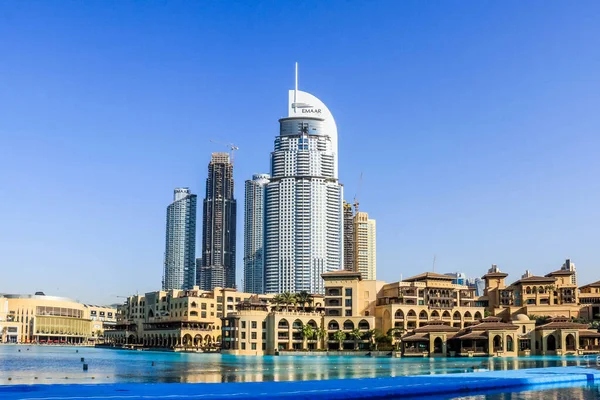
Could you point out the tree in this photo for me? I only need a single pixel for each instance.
(304, 298)
(321, 334)
(340, 336)
(486, 313)
(277, 300)
(396, 335)
(356, 334)
(307, 333)
(288, 299)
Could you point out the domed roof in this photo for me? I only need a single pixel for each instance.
(521, 317)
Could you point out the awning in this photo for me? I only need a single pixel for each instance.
(473, 336)
(589, 334)
(418, 337)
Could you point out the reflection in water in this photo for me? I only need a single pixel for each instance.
(54, 364)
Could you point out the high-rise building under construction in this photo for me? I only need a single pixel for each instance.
(218, 226)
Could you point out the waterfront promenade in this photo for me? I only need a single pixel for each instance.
(383, 388)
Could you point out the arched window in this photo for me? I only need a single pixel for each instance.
(435, 314)
(468, 315)
(412, 313)
(348, 325)
(446, 314)
(297, 324)
(551, 343)
(570, 341)
(497, 343)
(399, 314)
(193, 313)
(423, 315)
(509, 343)
(333, 326)
(456, 316)
(283, 324)
(312, 323)
(363, 325)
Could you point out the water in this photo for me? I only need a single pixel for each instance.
(52, 365)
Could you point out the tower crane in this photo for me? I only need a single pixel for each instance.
(232, 147)
(357, 194)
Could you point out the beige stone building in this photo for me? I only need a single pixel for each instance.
(176, 319)
(552, 295)
(50, 319)
(413, 302)
(365, 246)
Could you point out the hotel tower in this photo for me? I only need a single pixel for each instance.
(180, 249)
(303, 208)
(254, 212)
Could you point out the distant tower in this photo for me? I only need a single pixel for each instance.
(303, 209)
(348, 237)
(218, 226)
(180, 249)
(254, 211)
(570, 266)
(365, 247)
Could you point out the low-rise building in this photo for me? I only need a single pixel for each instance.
(175, 319)
(51, 319)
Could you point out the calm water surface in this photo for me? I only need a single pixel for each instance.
(54, 365)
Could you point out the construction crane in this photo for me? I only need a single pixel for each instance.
(232, 148)
(357, 194)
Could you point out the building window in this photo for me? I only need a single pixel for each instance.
(243, 324)
(348, 313)
(203, 306)
(253, 335)
(243, 335)
(253, 346)
(348, 302)
(203, 314)
(264, 335)
(253, 324)
(243, 346)
(349, 292)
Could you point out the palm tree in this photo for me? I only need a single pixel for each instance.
(370, 336)
(396, 335)
(340, 336)
(277, 300)
(303, 298)
(307, 333)
(356, 334)
(321, 333)
(288, 299)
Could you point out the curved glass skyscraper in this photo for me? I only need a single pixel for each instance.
(180, 249)
(303, 207)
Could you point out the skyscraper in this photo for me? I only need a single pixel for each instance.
(570, 266)
(254, 211)
(219, 226)
(348, 237)
(365, 246)
(303, 213)
(180, 249)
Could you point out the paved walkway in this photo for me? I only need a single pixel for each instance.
(314, 390)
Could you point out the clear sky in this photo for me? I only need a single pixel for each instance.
(476, 125)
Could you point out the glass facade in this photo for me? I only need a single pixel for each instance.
(180, 248)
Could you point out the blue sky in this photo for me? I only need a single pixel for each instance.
(475, 124)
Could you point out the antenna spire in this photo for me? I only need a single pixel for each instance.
(296, 87)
